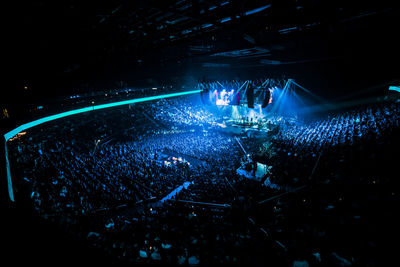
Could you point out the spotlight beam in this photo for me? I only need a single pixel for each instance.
(309, 92)
(277, 106)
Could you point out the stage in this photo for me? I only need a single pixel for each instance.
(247, 128)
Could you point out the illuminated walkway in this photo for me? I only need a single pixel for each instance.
(176, 191)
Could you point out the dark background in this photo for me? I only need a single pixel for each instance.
(62, 47)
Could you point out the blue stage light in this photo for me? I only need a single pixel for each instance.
(256, 10)
(206, 25)
(225, 19)
(394, 88)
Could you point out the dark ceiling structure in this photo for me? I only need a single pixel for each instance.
(64, 46)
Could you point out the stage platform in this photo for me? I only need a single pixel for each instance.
(244, 128)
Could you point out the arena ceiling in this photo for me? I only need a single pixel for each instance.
(91, 44)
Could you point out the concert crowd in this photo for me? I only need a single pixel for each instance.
(103, 177)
